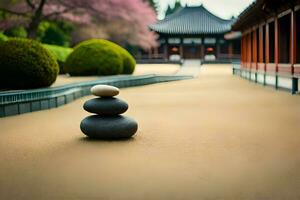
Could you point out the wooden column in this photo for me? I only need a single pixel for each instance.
(245, 50)
(166, 51)
(250, 49)
(261, 45)
(254, 51)
(150, 53)
(267, 44)
(181, 48)
(218, 50)
(293, 40)
(155, 52)
(230, 50)
(202, 49)
(294, 50)
(277, 50)
(242, 50)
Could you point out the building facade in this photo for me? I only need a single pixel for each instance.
(271, 42)
(195, 33)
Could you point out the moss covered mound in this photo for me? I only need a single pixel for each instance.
(128, 62)
(26, 64)
(99, 57)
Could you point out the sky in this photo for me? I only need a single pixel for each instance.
(222, 8)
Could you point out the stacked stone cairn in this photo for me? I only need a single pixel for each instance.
(107, 123)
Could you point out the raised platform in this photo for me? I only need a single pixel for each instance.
(274, 79)
(19, 102)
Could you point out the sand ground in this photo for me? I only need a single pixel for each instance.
(141, 69)
(214, 137)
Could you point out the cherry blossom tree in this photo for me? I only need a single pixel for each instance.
(121, 20)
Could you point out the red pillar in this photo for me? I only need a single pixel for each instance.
(277, 50)
(293, 40)
(254, 43)
(267, 50)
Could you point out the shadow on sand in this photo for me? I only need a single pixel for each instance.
(104, 140)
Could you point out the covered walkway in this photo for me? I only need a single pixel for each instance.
(213, 137)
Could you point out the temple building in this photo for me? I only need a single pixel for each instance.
(195, 33)
(271, 42)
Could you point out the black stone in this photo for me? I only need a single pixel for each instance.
(108, 127)
(106, 106)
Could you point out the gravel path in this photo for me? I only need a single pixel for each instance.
(215, 137)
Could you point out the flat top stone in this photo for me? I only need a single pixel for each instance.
(105, 90)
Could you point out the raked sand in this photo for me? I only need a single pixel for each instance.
(214, 137)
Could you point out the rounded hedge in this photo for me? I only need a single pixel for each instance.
(127, 61)
(16, 31)
(94, 58)
(26, 64)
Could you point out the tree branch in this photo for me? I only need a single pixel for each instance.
(30, 4)
(41, 6)
(14, 12)
(59, 12)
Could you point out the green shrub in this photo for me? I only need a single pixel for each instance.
(60, 53)
(17, 31)
(3, 38)
(128, 60)
(26, 64)
(57, 33)
(94, 58)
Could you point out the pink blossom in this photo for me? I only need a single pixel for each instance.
(130, 17)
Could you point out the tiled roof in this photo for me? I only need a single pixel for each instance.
(260, 10)
(192, 20)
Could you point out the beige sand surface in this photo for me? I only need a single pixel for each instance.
(215, 137)
(141, 69)
(64, 79)
(161, 69)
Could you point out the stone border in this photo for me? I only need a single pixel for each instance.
(19, 102)
(276, 80)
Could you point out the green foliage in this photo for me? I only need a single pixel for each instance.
(60, 53)
(26, 64)
(94, 58)
(3, 38)
(17, 31)
(114, 59)
(172, 10)
(57, 33)
(128, 61)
